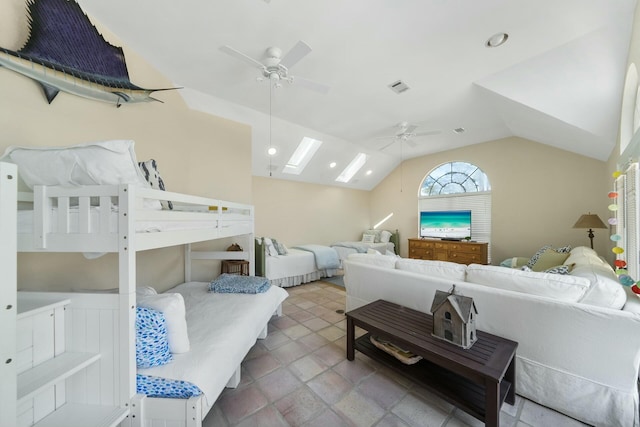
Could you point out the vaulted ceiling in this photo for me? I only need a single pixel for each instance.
(557, 80)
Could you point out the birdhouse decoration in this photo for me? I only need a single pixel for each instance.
(454, 318)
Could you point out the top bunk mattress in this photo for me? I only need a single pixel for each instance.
(220, 333)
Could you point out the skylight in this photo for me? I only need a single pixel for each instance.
(352, 168)
(301, 157)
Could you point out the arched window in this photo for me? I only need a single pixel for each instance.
(459, 186)
(454, 177)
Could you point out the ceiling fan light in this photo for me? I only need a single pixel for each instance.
(497, 39)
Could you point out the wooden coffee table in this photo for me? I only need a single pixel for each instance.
(477, 380)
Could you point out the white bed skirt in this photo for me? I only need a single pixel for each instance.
(287, 282)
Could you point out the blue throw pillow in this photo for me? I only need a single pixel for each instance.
(152, 342)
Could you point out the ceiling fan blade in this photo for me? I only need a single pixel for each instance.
(431, 132)
(388, 145)
(310, 84)
(299, 51)
(410, 143)
(408, 129)
(241, 56)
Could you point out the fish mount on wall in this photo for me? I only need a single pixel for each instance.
(65, 52)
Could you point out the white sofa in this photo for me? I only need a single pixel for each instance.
(578, 334)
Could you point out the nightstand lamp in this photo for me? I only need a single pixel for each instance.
(589, 221)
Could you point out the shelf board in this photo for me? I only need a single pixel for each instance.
(77, 415)
(34, 380)
(29, 303)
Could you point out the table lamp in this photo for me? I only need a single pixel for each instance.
(589, 221)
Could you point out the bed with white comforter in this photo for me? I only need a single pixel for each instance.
(222, 328)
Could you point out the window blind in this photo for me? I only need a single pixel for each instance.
(630, 220)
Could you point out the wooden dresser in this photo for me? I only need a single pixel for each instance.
(442, 250)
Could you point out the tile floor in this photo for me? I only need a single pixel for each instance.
(299, 376)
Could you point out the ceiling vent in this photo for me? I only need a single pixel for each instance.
(399, 86)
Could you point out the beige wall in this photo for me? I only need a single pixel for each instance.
(538, 192)
(299, 213)
(197, 153)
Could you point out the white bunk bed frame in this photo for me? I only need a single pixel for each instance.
(105, 323)
(8, 262)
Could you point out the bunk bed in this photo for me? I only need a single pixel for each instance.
(98, 329)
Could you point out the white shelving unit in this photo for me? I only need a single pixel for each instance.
(44, 366)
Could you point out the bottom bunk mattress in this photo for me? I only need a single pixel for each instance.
(222, 328)
(296, 267)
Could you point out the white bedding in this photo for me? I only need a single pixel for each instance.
(25, 222)
(214, 322)
(344, 251)
(296, 267)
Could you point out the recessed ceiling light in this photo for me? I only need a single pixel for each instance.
(497, 39)
(332, 165)
(369, 172)
(459, 130)
(271, 151)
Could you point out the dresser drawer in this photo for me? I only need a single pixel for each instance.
(467, 248)
(463, 258)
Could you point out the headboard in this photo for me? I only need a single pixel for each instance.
(261, 269)
(395, 239)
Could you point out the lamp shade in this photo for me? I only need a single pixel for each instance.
(589, 221)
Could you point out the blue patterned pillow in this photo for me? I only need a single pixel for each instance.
(152, 386)
(152, 342)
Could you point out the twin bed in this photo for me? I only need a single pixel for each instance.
(299, 266)
(115, 218)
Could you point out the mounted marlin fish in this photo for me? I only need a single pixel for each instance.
(65, 52)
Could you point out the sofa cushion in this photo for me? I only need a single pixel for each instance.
(380, 260)
(559, 287)
(444, 269)
(547, 258)
(605, 289)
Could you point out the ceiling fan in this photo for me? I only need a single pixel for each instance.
(406, 132)
(276, 66)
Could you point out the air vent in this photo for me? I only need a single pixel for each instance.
(399, 87)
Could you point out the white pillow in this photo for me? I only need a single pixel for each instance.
(374, 252)
(172, 306)
(385, 236)
(605, 289)
(92, 163)
(368, 238)
(557, 286)
(444, 269)
(145, 290)
(271, 249)
(374, 259)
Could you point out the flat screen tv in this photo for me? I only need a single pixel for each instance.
(445, 224)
